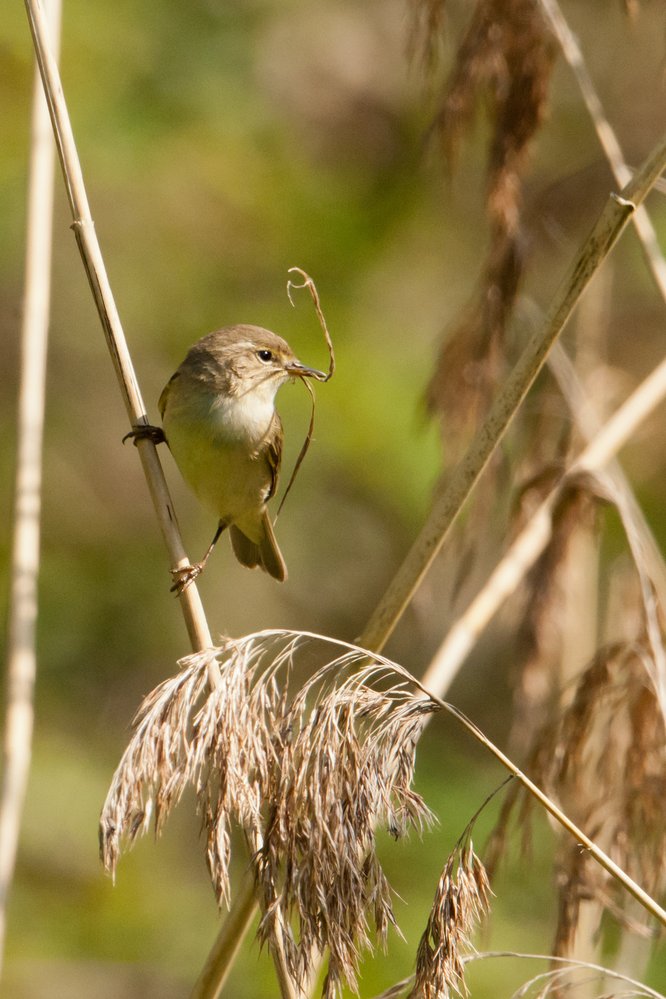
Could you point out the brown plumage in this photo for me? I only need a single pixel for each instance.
(219, 418)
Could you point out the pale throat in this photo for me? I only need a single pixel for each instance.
(245, 418)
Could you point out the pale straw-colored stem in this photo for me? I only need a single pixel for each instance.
(601, 858)
(84, 230)
(21, 664)
(449, 502)
(528, 546)
(610, 145)
(228, 941)
(589, 425)
(534, 537)
(636, 988)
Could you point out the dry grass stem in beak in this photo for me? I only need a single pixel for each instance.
(298, 369)
(312, 288)
(306, 444)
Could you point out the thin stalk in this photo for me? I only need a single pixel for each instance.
(532, 540)
(566, 962)
(450, 501)
(601, 858)
(84, 230)
(21, 669)
(609, 143)
(227, 943)
(448, 505)
(589, 424)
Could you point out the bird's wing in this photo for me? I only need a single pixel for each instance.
(162, 402)
(274, 453)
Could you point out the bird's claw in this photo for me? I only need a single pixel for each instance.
(145, 431)
(185, 575)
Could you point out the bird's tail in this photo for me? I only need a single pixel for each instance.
(264, 553)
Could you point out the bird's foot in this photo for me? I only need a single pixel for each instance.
(185, 575)
(145, 431)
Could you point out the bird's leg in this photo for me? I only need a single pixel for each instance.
(145, 430)
(186, 574)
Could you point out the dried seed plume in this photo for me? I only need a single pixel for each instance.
(308, 776)
(461, 901)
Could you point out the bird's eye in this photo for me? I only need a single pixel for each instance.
(265, 355)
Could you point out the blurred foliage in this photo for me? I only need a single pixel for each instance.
(223, 143)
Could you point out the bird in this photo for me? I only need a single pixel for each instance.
(220, 424)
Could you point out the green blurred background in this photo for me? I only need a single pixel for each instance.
(223, 143)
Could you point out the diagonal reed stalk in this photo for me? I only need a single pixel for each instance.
(531, 541)
(84, 230)
(604, 443)
(589, 425)
(21, 666)
(448, 504)
(601, 858)
(609, 142)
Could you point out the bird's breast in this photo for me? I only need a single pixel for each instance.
(217, 444)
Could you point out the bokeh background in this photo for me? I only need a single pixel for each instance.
(223, 143)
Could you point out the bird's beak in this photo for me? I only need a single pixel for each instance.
(299, 370)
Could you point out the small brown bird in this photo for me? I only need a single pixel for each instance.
(219, 418)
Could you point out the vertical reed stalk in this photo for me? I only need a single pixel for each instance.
(84, 230)
(21, 668)
(93, 262)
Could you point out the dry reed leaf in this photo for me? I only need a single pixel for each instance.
(311, 287)
(539, 640)
(307, 775)
(653, 612)
(426, 31)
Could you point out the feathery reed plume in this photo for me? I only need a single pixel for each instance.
(307, 776)
(507, 57)
(605, 760)
(461, 901)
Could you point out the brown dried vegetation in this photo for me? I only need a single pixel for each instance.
(461, 901)
(307, 776)
(506, 59)
(604, 760)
